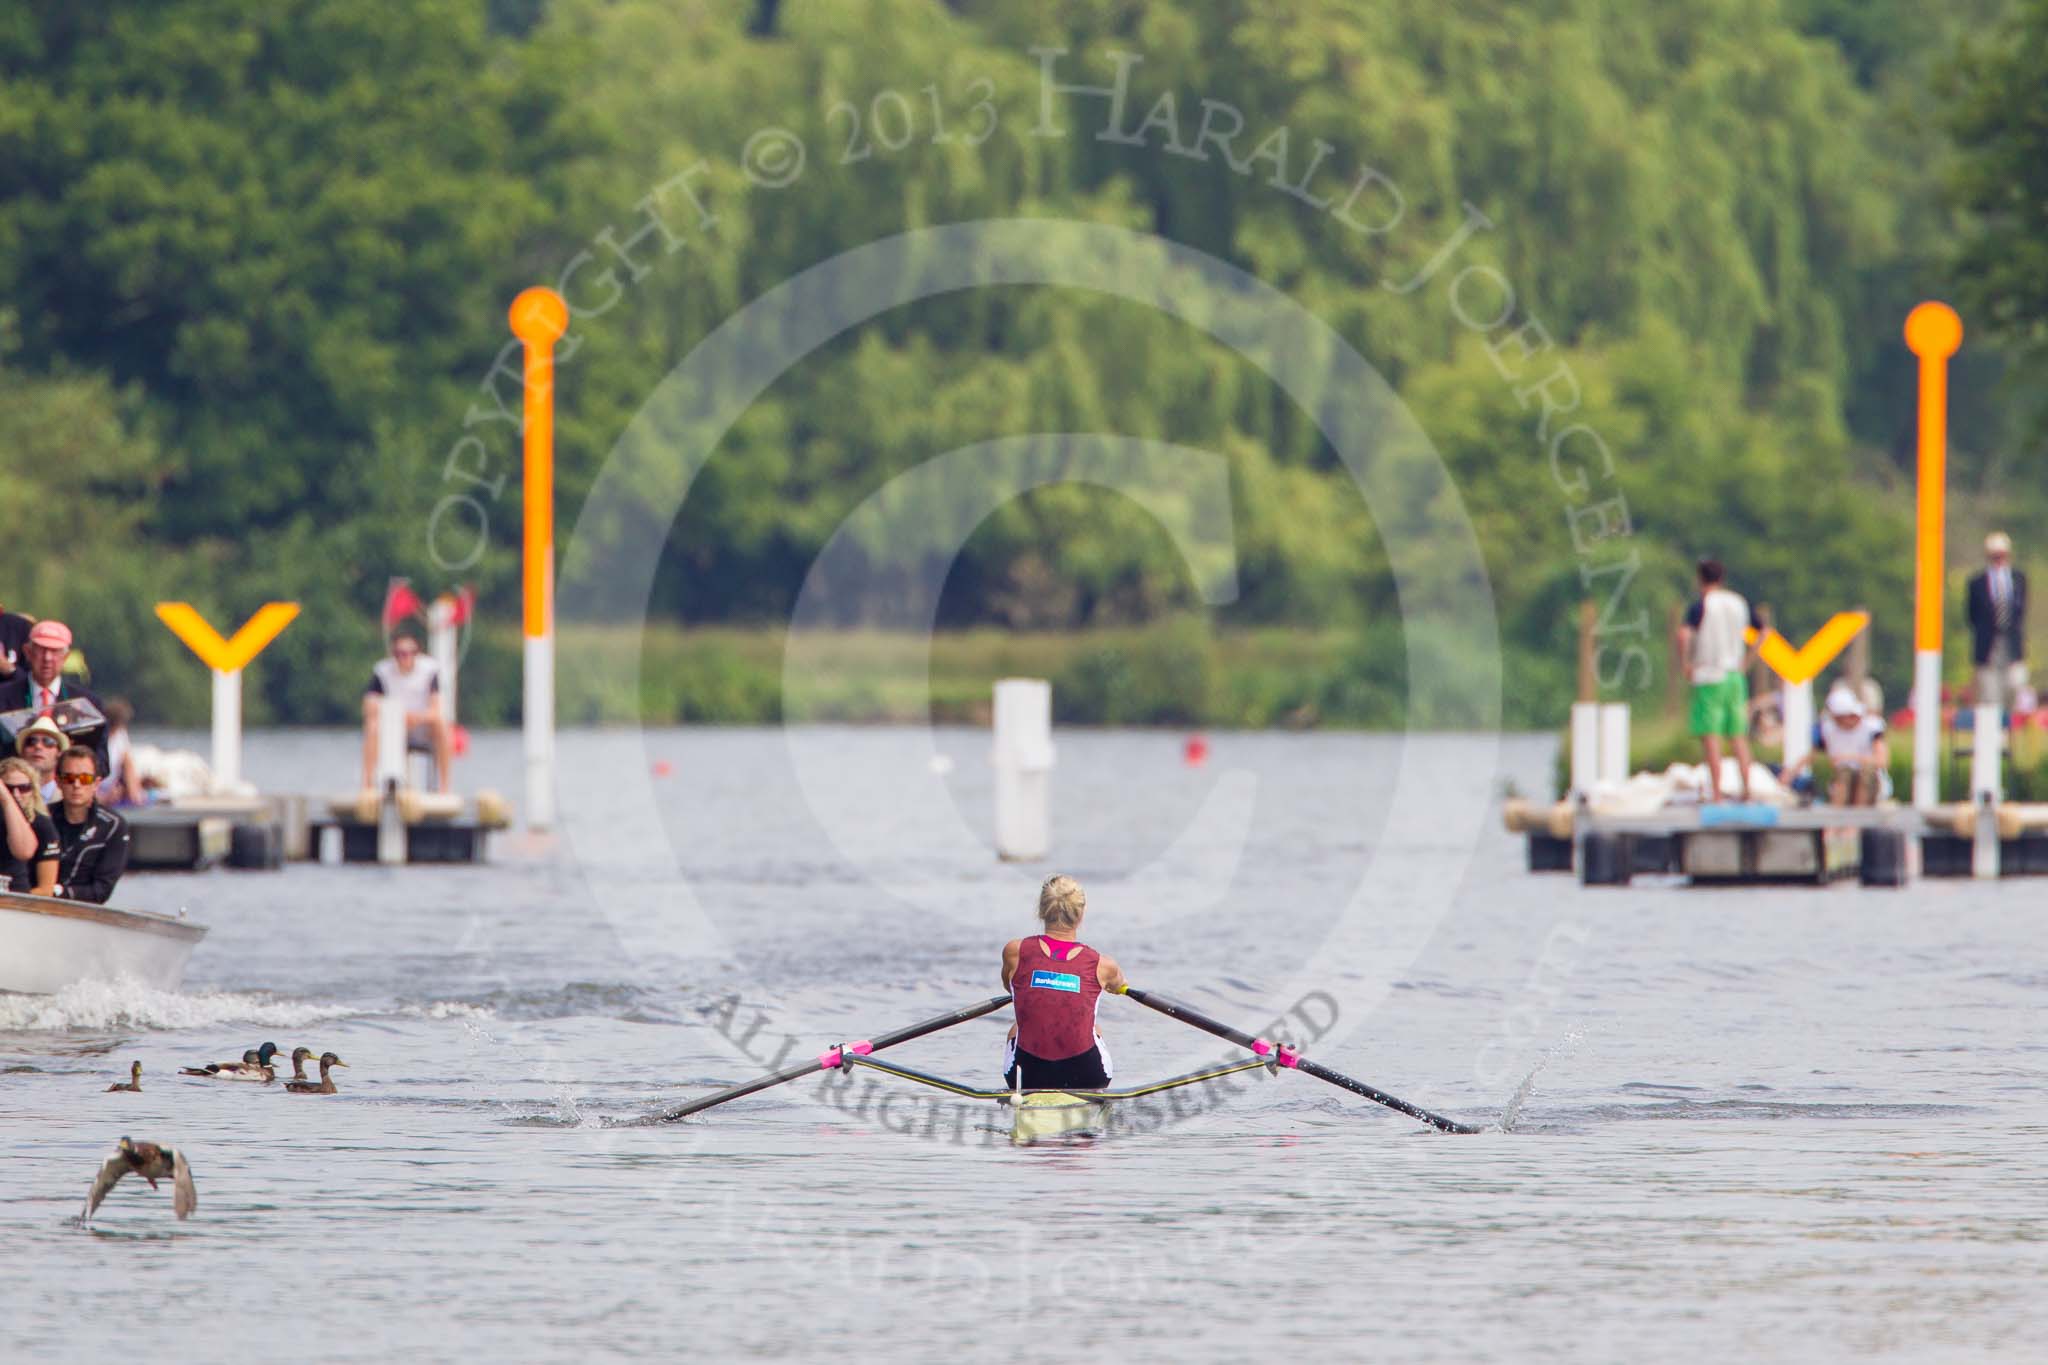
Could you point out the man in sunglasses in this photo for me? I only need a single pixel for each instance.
(94, 839)
(411, 675)
(40, 744)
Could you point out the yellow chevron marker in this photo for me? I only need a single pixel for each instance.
(226, 656)
(1805, 663)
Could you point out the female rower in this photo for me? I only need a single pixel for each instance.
(29, 848)
(1055, 982)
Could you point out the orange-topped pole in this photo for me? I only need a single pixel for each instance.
(1933, 333)
(539, 318)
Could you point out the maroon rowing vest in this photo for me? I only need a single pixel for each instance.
(1055, 999)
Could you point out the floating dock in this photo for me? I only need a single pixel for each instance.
(265, 832)
(1745, 844)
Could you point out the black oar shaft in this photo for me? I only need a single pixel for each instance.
(1174, 1009)
(790, 1073)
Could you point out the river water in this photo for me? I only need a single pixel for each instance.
(1778, 1124)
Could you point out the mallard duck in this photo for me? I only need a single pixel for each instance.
(152, 1163)
(254, 1066)
(134, 1079)
(326, 1085)
(300, 1056)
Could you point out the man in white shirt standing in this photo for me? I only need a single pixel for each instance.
(1716, 656)
(411, 675)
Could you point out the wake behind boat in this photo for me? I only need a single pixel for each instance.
(47, 944)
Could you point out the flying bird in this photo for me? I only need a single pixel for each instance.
(152, 1163)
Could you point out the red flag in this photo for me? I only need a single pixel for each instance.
(400, 601)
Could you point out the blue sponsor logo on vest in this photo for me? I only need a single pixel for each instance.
(1056, 981)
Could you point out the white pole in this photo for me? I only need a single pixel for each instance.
(1614, 764)
(1023, 759)
(227, 727)
(1798, 721)
(1585, 746)
(441, 643)
(1926, 728)
(539, 712)
(1984, 774)
(390, 778)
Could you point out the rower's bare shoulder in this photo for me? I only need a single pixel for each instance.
(1107, 973)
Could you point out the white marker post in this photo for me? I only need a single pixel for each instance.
(1798, 720)
(227, 726)
(1585, 747)
(227, 659)
(1614, 764)
(1985, 793)
(1023, 759)
(390, 779)
(443, 642)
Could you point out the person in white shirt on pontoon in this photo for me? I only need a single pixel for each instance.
(411, 675)
(1711, 641)
(1853, 739)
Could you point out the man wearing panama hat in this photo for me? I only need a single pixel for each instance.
(43, 684)
(1997, 599)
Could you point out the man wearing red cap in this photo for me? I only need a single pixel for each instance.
(43, 684)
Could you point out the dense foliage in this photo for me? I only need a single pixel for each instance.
(254, 262)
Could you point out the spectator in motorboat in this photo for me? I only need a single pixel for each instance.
(411, 675)
(44, 683)
(1712, 643)
(1852, 737)
(14, 629)
(31, 846)
(93, 840)
(120, 786)
(40, 744)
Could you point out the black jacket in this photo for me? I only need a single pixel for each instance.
(1983, 623)
(15, 693)
(95, 854)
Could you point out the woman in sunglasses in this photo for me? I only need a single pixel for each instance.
(94, 839)
(31, 844)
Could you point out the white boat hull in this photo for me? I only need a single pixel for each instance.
(47, 944)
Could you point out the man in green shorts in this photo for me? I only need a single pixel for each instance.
(1716, 654)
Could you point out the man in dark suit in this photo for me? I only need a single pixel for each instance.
(42, 684)
(1998, 623)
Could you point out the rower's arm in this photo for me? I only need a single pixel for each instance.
(1010, 951)
(1110, 975)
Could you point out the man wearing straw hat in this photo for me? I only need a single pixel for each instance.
(1997, 600)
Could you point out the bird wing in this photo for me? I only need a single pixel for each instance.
(110, 1174)
(184, 1198)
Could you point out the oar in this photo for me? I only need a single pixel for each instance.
(1288, 1057)
(832, 1057)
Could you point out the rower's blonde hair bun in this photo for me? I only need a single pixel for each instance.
(1060, 902)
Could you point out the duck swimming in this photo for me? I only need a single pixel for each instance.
(300, 1056)
(134, 1079)
(254, 1066)
(152, 1163)
(326, 1085)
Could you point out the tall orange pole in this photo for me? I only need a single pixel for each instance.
(539, 318)
(1933, 333)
